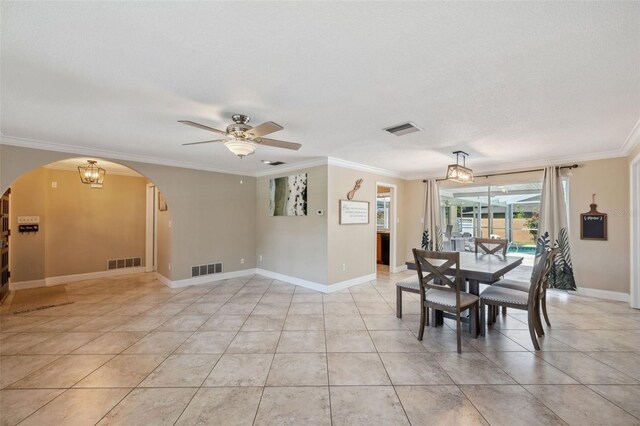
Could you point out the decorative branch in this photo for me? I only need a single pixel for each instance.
(351, 193)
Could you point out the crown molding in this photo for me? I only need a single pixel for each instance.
(108, 155)
(632, 140)
(364, 168)
(533, 164)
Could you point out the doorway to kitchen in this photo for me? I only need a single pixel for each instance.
(385, 229)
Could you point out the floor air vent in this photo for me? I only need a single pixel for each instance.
(131, 262)
(211, 268)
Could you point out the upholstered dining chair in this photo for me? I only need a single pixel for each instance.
(410, 285)
(527, 301)
(491, 245)
(524, 286)
(446, 295)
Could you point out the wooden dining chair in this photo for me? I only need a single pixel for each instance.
(524, 286)
(499, 296)
(491, 245)
(409, 285)
(446, 295)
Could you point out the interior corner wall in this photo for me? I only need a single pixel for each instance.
(86, 227)
(80, 228)
(27, 255)
(294, 245)
(414, 208)
(601, 265)
(213, 214)
(355, 245)
(212, 217)
(163, 236)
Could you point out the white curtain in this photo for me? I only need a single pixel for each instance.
(432, 237)
(552, 229)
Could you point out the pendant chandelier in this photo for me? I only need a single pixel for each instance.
(91, 174)
(460, 172)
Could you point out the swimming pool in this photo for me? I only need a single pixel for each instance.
(522, 249)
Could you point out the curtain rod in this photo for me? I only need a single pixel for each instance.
(573, 166)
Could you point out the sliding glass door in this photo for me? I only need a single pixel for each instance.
(491, 211)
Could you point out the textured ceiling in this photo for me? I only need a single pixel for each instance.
(507, 82)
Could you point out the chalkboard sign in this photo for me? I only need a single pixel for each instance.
(593, 225)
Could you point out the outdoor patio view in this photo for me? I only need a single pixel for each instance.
(492, 211)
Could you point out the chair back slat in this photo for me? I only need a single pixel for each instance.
(491, 245)
(433, 265)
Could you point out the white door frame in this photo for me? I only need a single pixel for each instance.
(393, 268)
(150, 230)
(634, 213)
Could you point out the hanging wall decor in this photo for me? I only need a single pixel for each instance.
(288, 195)
(351, 193)
(593, 224)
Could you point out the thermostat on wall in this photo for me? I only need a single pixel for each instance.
(320, 212)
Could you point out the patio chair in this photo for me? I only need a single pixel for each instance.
(446, 296)
(491, 245)
(529, 301)
(524, 286)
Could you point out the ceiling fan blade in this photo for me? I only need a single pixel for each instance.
(264, 129)
(198, 143)
(201, 126)
(278, 144)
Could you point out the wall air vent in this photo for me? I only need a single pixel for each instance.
(131, 262)
(403, 129)
(273, 163)
(211, 268)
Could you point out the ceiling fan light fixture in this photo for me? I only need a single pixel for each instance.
(460, 172)
(240, 147)
(91, 174)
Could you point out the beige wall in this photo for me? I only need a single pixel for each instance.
(414, 211)
(294, 245)
(27, 251)
(355, 245)
(602, 265)
(163, 235)
(213, 214)
(80, 227)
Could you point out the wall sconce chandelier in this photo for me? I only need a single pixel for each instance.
(460, 172)
(91, 174)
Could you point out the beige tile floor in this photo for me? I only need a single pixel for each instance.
(252, 350)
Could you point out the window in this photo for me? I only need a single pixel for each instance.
(383, 202)
(499, 211)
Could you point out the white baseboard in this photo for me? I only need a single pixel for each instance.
(93, 275)
(164, 280)
(51, 281)
(23, 285)
(350, 283)
(602, 294)
(400, 268)
(323, 288)
(205, 279)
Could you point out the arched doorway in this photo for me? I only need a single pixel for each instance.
(63, 230)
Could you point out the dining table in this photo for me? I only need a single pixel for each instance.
(476, 269)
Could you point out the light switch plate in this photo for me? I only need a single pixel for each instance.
(28, 219)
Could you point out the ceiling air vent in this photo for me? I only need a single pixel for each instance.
(403, 129)
(273, 163)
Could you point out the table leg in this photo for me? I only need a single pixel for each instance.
(474, 288)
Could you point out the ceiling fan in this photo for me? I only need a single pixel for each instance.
(241, 138)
